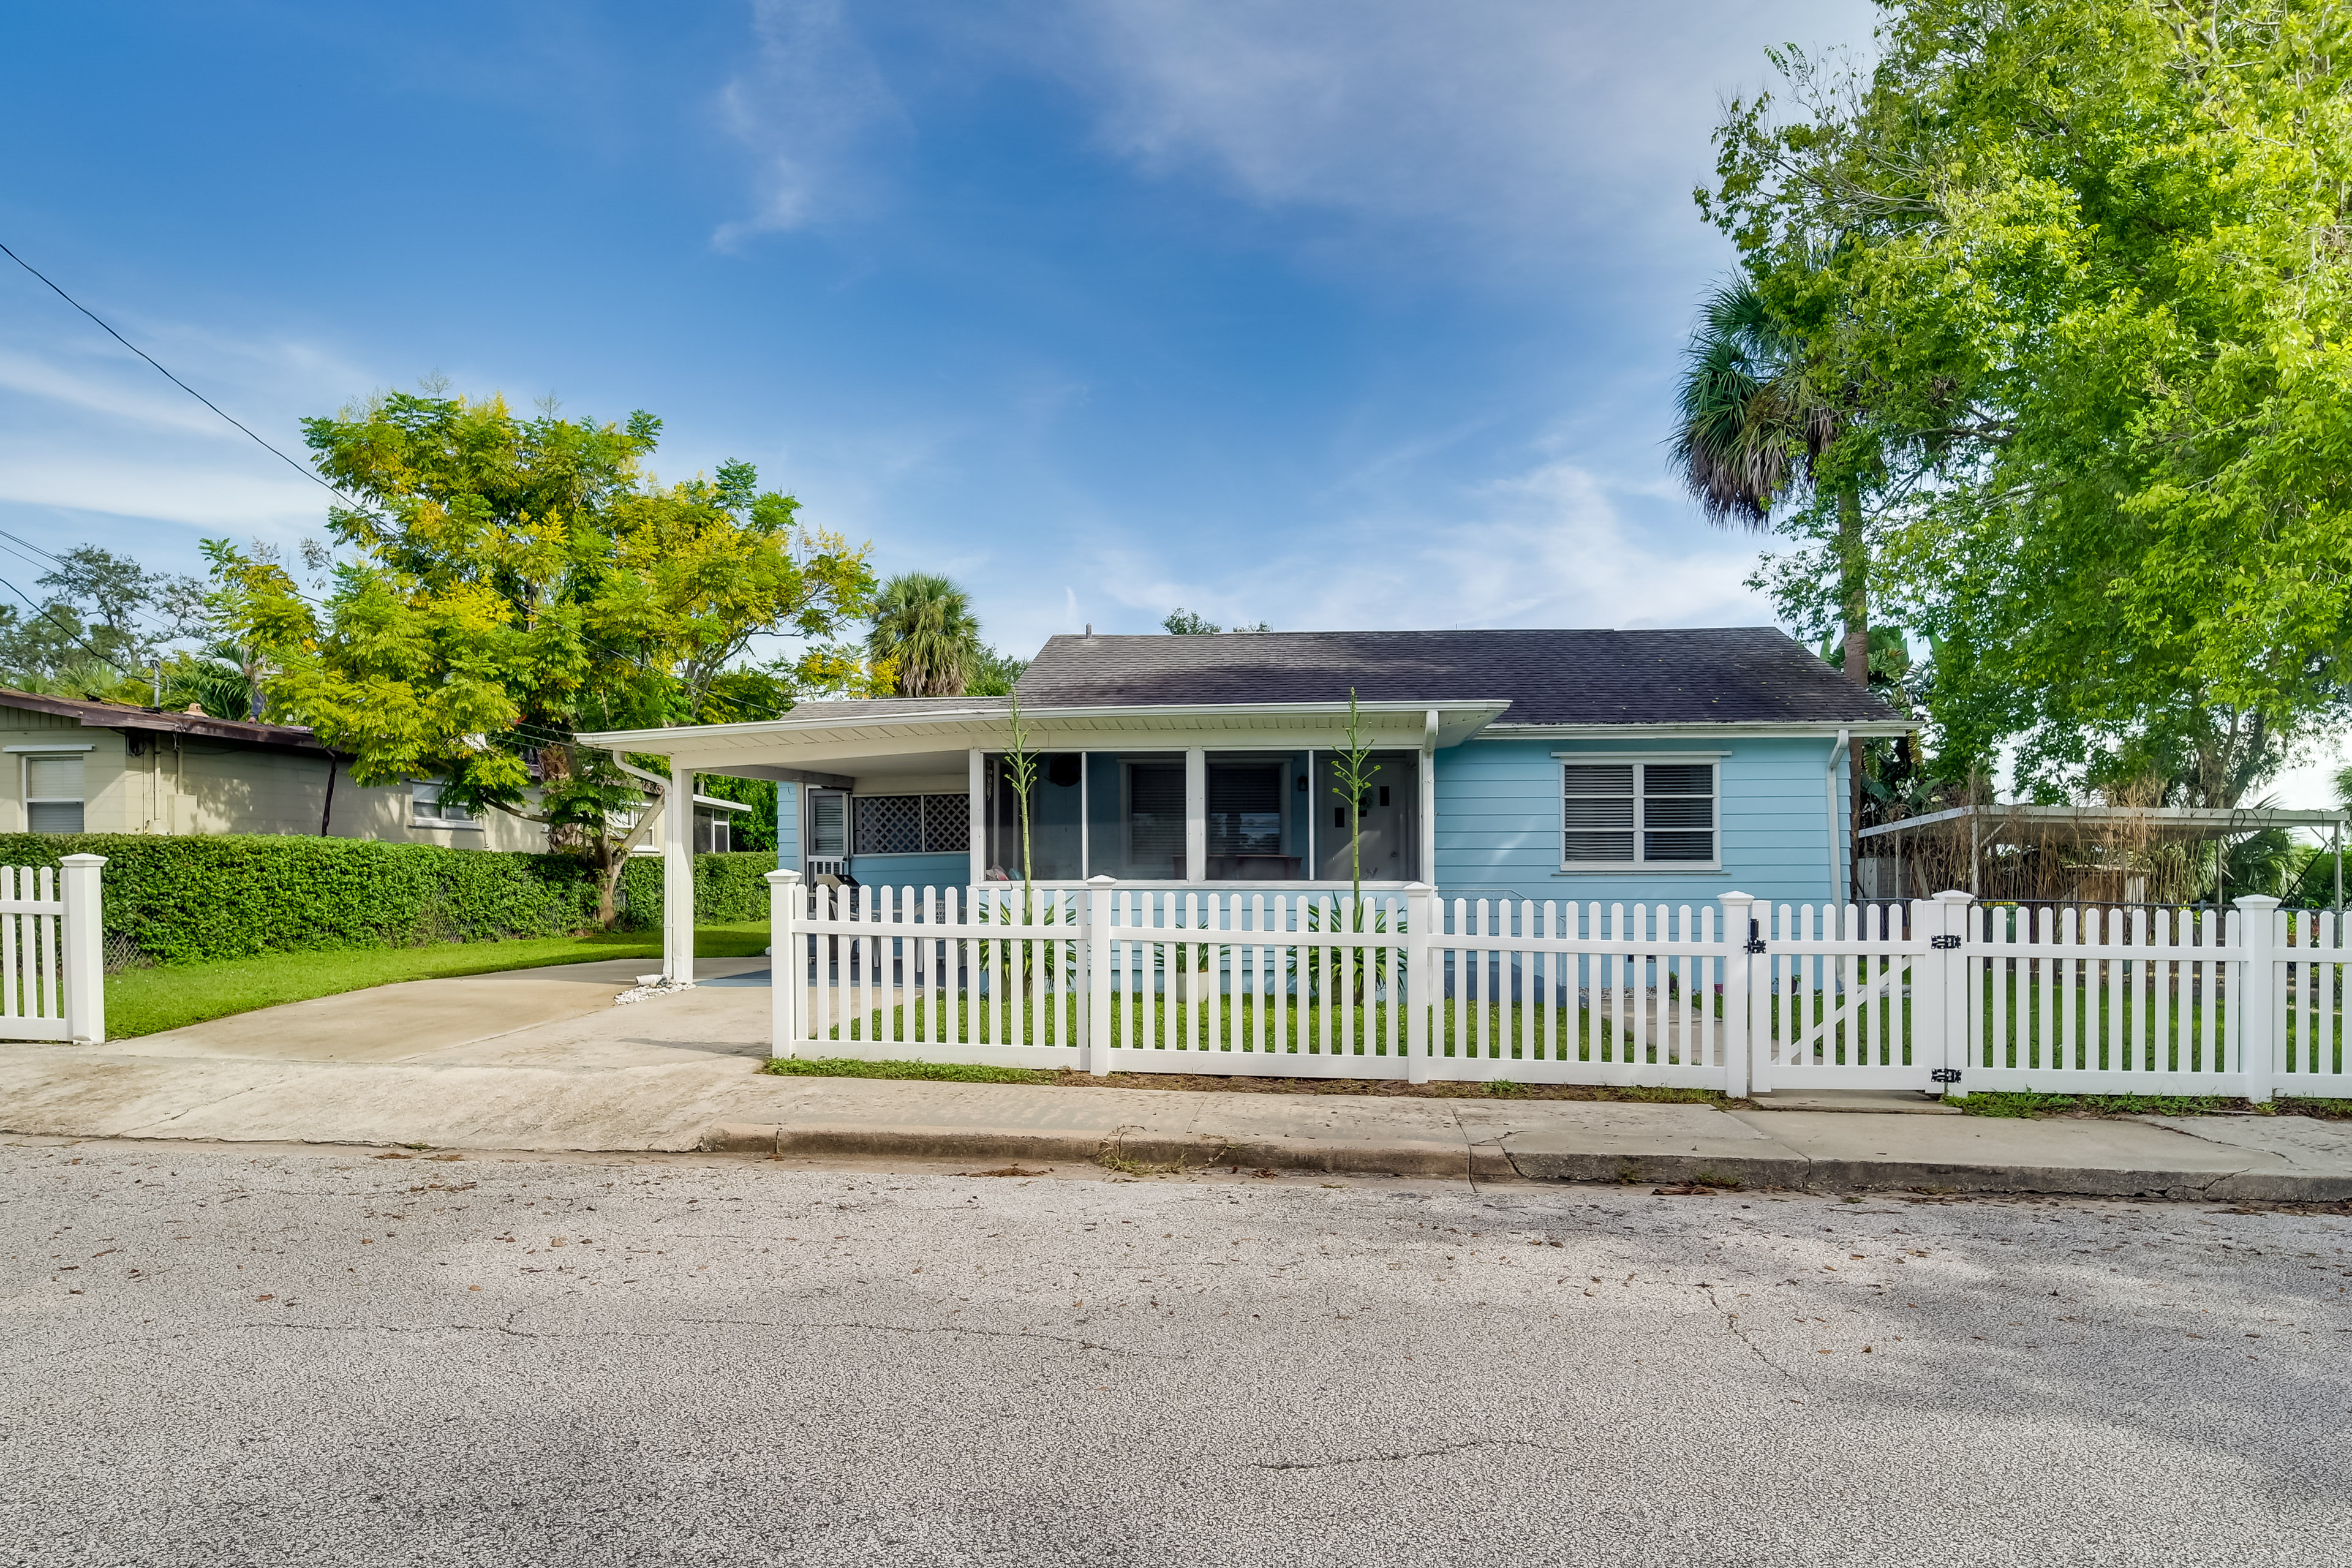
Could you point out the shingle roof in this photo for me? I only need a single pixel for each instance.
(1712, 675)
(119, 715)
(888, 707)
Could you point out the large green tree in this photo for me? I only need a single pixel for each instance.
(2085, 261)
(505, 583)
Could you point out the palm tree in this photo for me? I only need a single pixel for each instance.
(924, 625)
(1750, 431)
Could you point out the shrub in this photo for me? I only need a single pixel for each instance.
(200, 899)
(727, 887)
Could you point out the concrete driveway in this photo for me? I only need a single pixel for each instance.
(534, 1058)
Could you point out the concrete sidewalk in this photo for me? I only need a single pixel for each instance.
(542, 1059)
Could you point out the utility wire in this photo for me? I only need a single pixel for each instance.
(306, 472)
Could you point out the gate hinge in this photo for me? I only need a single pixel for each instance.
(1756, 944)
(1945, 1075)
(1945, 943)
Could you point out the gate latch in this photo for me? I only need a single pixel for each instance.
(1755, 942)
(1946, 1075)
(1945, 943)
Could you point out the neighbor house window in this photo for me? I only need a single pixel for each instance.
(427, 808)
(914, 824)
(1638, 813)
(53, 794)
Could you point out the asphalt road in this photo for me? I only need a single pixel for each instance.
(218, 1355)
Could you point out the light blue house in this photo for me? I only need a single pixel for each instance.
(1608, 766)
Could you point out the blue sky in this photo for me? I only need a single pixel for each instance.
(1324, 314)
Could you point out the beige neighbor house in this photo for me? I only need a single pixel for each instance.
(99, 767)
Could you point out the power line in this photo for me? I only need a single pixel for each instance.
(306, 472)
(299, 468)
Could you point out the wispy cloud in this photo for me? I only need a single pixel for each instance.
(807, 105)
(1547, 546)
(1518, 124)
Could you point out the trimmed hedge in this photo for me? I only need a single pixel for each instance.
(727, 889)
(201, 898)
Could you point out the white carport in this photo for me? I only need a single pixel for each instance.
(837, 744)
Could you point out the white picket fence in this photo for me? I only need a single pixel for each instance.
(52, 952)
(1735, 994)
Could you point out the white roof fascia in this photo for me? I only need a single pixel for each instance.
(1264, 725)
(1825, 728)
(722, 805)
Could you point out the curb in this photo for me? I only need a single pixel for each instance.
(1162, 1153)
(1158, 1153)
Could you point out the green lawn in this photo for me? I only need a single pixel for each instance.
(142, 1001)
(1248, 1024)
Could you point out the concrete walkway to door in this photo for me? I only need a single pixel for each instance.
(543, 1060)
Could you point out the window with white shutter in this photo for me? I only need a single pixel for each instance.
(53, 794)
(1628, 814)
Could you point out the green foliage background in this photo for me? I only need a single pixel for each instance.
(222, 896)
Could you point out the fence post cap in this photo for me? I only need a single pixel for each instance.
(2256, 901)
(1100, 876)
(1419, 887)
(1952, 896)
(1735, 898)
(79, 860)
(781, 878)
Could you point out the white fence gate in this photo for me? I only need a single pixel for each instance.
(1733, 996)
(52, 952)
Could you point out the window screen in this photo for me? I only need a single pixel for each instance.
(1677, 811)
(1637, 814)
(1599, 814)
(1244, 810)
(1155, 811)
(53, 794)
(828, 824)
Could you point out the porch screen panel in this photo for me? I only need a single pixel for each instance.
(1677, 811)
(890, 823)
(947, 822)
(1155, 815)
(1244, 810)
(1598, 814)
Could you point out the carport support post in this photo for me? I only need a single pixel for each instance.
(1424, 989)
(1741, 1076)
(787, 975)
(678, 877)
(85, 951)
(1099, 970)
(2257, 1004)
(979, 810)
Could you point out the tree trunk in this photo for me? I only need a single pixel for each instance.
(1854, 593)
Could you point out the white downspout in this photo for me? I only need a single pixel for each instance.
(1837, 841)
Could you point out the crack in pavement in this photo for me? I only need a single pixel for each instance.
(1388, 1459)
(1731, 1323)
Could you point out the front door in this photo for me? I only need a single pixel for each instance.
(1388, 820)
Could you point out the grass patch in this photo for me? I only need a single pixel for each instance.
(2029, 1103)
(1239, 1083)
(930, 1072)
(144, 1001)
